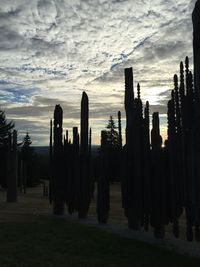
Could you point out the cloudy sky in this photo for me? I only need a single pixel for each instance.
(52, 50)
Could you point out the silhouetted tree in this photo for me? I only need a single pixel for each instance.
(26, 149)
(5, 127)
(113, 139)
(27, 156)
(113, 144)
(5, 132)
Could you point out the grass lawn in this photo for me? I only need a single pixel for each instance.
(30, 237)
(45, 241)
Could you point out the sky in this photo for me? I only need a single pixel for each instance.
(53, 50)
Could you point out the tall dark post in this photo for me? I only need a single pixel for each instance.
(119, 151)
(15, 166)
(76, 167)
(159, 210)
(120, 129)
(90, 142)
(138, 154)
(84, 193)
(196, 48)
(58, 176)
(91, 178)
(176, 179)
(103, 186)
(50, 162)
(84, 124)
(133, 183)
(156, 139)
(12, 168)
(147, 167)
(75, 138)
(194, 147)
(128, 155)
(129, 104)
(71, 155)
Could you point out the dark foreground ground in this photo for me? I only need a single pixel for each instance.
(31, 236)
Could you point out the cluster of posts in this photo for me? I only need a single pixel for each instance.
(11, 166)
(70, 164)
(159, 182)
(14, 169)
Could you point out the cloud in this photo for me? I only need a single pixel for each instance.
(52, 50)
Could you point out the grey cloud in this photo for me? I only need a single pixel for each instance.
(64, 47)
(9, 39)
(44, 44)
(9, 14)
(162, 109)
(42, 111)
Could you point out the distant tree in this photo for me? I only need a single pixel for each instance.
(5, 127)
(113, 141)
(30, 176)
(5, 130)
(26, 149)
(113, 147)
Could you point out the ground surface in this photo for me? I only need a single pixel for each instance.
(31, 236)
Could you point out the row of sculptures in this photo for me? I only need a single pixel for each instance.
(161, 183)
(70, 182)
(158, 183)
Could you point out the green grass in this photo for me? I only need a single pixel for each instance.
(56, 242)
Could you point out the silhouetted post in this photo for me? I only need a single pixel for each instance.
(90, 142)
(120, 129)
(119, 152)
(129, 106)
(8, 164)
(103, 186)
(50, 162)
(12, 168)
(21, 176)
(128, 157)
(146, 166)
(138, 157)
(76, 167)
(189, 178)
(196, 129)
(133, 181)
(196, 49)
(92, 182)
(71, 152)
(175, 150)
(58, 177)
(84, 188)
(158, 181)
(182, 93)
